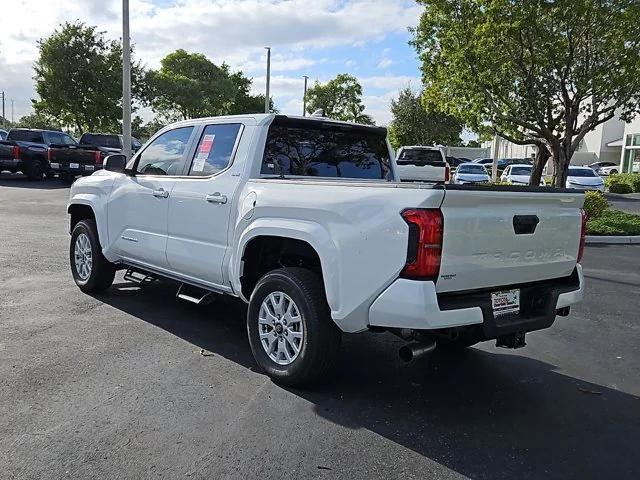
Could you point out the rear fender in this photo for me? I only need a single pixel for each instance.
(312, 233)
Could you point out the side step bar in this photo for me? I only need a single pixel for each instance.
(192, 294)
(138, 277)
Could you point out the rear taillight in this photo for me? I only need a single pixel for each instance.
(583, 234)
(98, 157)
(15, 152)
(49, 155)
(425, 243)
(447, 173)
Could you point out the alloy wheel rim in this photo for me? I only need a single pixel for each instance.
(83, 256)
(280, 328)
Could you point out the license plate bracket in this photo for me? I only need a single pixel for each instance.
(506, 302)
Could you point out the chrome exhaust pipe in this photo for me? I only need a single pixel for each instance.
(414, 350)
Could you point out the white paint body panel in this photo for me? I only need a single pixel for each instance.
(354, 226)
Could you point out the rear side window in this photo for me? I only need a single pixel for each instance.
(25, 136)
(215, 149)
(319, 149)
(420, 157)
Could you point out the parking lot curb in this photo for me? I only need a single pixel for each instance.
(613, 240)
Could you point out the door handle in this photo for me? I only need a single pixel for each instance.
(161, 193)
(216, 198)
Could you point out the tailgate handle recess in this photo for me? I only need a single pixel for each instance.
(525, 224)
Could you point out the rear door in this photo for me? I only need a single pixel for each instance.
(498, 238)
(139, 204)
(201, 203)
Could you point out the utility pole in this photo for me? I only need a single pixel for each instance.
(4, 120)
(12, 111)
(266, 98)
(304, 97)
(126, 81)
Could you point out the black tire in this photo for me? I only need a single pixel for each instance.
(613, 172)
(36, 170)
(101, 272)
(66, 178)
(320, 343)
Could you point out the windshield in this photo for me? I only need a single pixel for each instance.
(581, 172)
(419, 156)
(107, 141)
(474, 169)
(520, 171)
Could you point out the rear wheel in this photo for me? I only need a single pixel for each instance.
(36, 170)
(290, 330)
(613, 172)
(91, 271)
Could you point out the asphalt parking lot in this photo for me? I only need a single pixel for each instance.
(136, 384)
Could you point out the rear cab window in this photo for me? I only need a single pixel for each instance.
(107, 141)
(313, 148)
(420, 156)
(25, 136)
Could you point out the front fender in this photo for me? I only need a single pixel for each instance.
(312, 233)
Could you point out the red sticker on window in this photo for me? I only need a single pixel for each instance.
(207, 144)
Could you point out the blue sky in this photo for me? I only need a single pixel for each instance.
(319, 38)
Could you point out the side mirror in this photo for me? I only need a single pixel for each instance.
(115, 163)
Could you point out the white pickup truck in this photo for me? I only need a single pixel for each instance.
(305, 220)
(420, 163)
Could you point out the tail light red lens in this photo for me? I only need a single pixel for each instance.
(583, 234)
(15, 151)
(98, 157)
(49, 154)
(424, 250)
(447, 173)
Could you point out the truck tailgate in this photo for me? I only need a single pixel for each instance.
(82, 155)
(496, 238)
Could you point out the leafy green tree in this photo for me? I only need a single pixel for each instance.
(542, 72)
(189, 85)
(78, 77)
(340, 98)
(412, 124)
(39, 120)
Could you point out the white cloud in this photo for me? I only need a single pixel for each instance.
(385, 63)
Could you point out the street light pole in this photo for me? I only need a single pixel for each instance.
(4, 120)
(126, 81)
(266, 98)
(304, 97)
(12, 111)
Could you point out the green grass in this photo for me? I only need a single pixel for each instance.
(614, 222)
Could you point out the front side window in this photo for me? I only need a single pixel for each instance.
(164, 156)
(214, 149)
(319, 149)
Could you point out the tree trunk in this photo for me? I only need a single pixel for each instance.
(561, 165)
(542, 156)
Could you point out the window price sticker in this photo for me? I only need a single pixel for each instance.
(206, 145)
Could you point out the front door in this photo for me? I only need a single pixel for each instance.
(200, 206)
(139, 204)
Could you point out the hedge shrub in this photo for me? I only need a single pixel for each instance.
(620, 188)
(614, 222)
(631, 179)
(595, 203)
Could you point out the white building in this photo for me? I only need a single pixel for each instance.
(630, 151)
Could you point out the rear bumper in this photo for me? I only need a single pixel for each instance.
(10, 163)
(416, 305)
(79, 170)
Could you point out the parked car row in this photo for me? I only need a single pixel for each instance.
(39, 153)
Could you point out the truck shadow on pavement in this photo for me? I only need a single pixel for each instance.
(479, 413)
(20, 181)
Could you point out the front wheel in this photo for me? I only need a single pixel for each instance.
(91, 271)
(290, 330)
